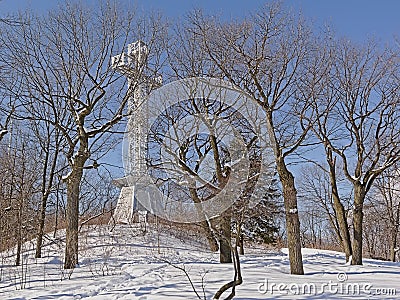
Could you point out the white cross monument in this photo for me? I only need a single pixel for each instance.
(131, 65)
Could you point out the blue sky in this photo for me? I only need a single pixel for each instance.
(355, 19)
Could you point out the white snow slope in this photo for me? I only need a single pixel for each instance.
(125, 264)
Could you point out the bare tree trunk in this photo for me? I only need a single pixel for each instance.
(395, 230)
(72, 214)
(241, 246)
(359, 195)
(95, 94)
(48, 173)
(45, 196)
(345, 239)
(19, 237)
(19, 248)
(393, 244)
(212, 241)
(237, 278)
(225, 244)
(39, 238)
(344, 233)
(20, 209)
(292, 218)
(57, 209)
(225, 254)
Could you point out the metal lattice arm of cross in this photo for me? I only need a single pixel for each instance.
(133, 63)
(129, 63)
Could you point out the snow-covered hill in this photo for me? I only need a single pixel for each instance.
(125, 264)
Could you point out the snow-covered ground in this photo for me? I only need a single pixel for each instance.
(125, 264)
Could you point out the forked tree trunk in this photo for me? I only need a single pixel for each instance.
(225, 245)
(292, 218)
(359, 195)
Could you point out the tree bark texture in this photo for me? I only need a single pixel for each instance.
(72, 213)
(359, 195)
(225, 237)
(292, 218)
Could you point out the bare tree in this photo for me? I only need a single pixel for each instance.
(265, 56)
(6, 111)
(196, 164)
(98, 195)
(8, 20)
(358, 123)
(7, 101)
(384, 213)
(389, 190)
(7, 96)
(18, 186)
(188, 57)
(312, 86)
(65, 61)
(49, 139)
(319, 203)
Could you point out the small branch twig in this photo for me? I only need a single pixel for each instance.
(183, 269)
(94, 217)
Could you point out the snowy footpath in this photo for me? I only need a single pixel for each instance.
(125, 264)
